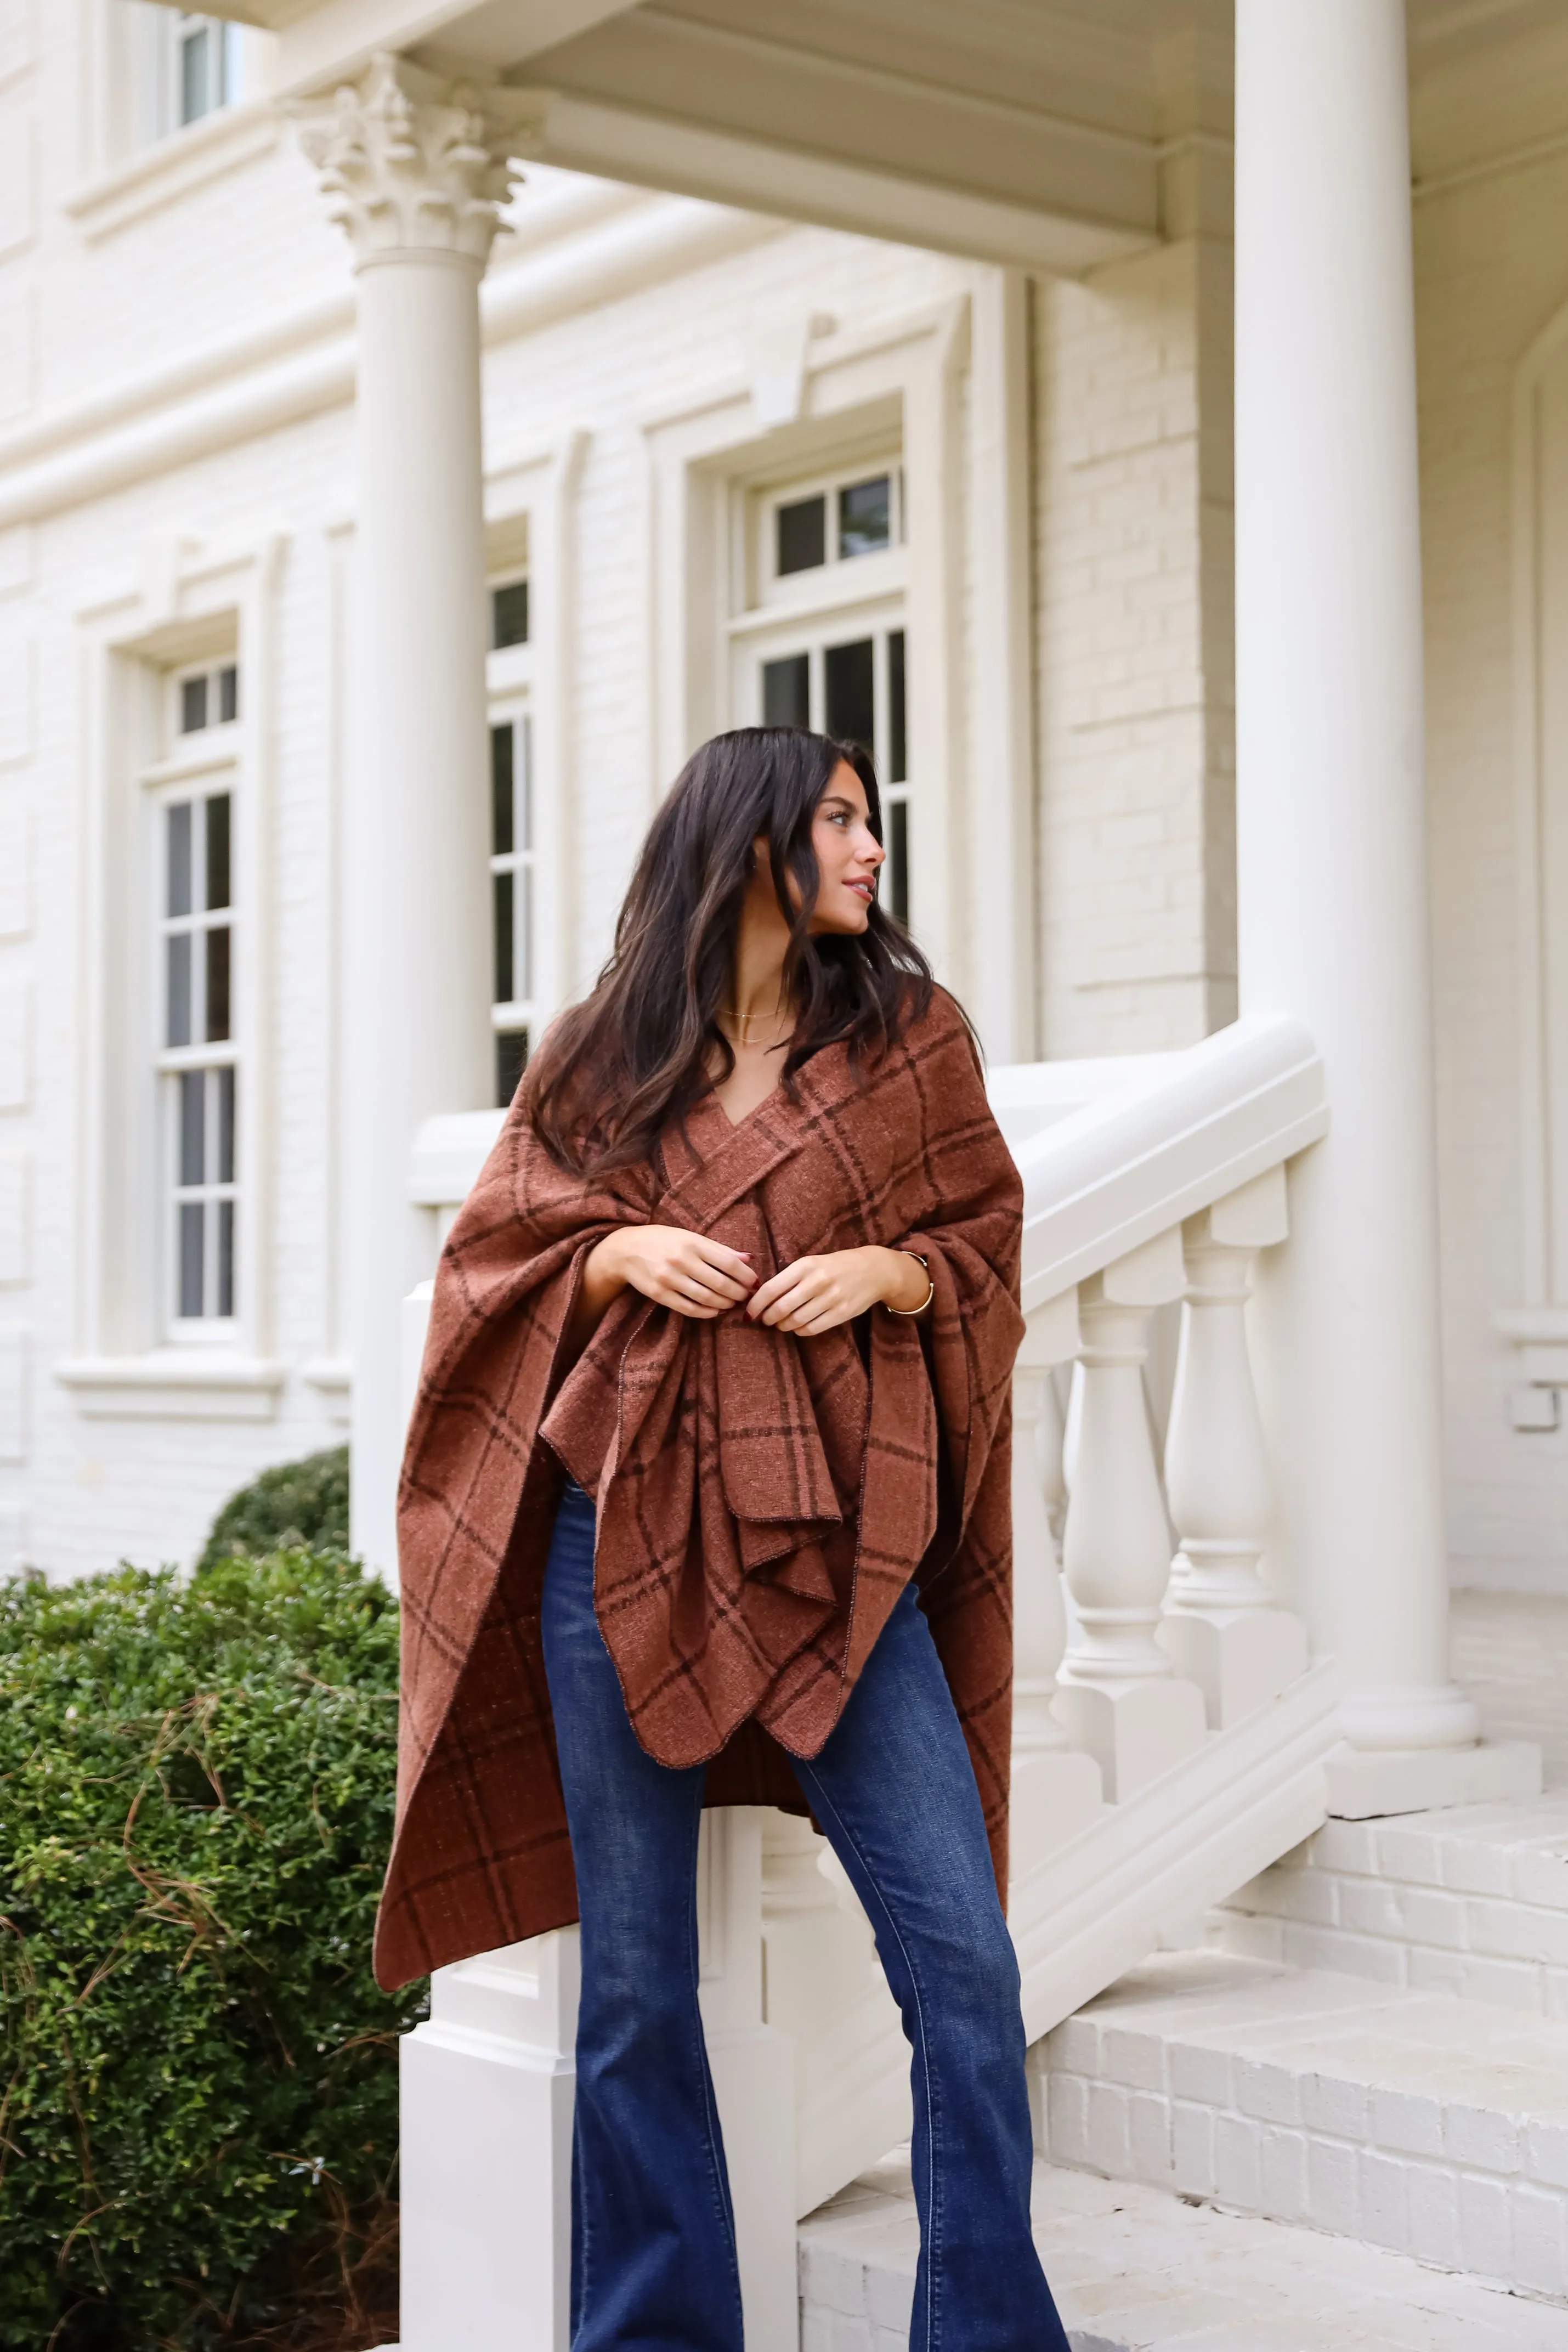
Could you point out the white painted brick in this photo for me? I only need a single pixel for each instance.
(1074, 2047)
(1371, 1906)
(1332, 1948)
(1068, 2100)
(1480, 2137)
(1238, 2162)
(848, 2335)
(1539, 2257)
(1149, 2138)
(1136, 2059)
(1283, 2169)
(1334, 2106)
(1513, 1931)
(1541, 1878)
(1430, 1917)
(1437, 1971)
(889, 2296)
(1545, 2152)
(1334, 2199)
(837, 2281)
(1383, 2205)
(1108, 2129)
(1410, 1853)
(1485, 2239)
(1432, 2194)
(1345, 1846)
(1198, 2072)
(1407, 2122)
(1506, 1984)
(1270, 2093)
(1192, 2148)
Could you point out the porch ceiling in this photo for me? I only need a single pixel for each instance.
(1022, 131)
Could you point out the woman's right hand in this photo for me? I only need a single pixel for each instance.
(681, 1270)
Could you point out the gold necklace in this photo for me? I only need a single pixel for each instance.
(745, 1019)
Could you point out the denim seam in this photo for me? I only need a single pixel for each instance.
(933, 2249)
(716, 2168)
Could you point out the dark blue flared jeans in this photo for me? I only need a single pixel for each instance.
(653, 2263)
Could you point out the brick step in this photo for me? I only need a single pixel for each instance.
(1472, 1901)
(1136, 2270)
(1423, 2124)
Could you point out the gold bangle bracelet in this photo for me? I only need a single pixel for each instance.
(930, 1286)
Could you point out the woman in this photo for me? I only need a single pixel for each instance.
(706, 1500)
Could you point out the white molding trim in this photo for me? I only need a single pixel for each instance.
(175, 167)
(586, 135)
(298, 366)
(1541, 1282)
(173, 1384)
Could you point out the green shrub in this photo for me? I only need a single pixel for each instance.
(198, 2093)
(298, 1503)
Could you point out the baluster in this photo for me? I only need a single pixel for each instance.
(1056, 1788)
(1120, 1696)
(1221, 1625)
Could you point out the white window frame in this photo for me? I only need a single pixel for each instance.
(529, 518)
(196, 607)
(224, 45)
(870, 400)
(197, 766)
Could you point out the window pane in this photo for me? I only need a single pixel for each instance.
(897, 743)
(865, 516)
(898, 860)
(218, 850)
(510, 614)
(193, 704)
(192, 1222)
(192, 1125)
(803, 535)
(228, 693)
(511, 1061)
(787, 691)
(501, 824)
(217, 983)
(226, 1127)
(850, 693)
(177, 1011)
(179, 891)
(504, 985)
(523, 737)
(525, 919)
(225, 1212)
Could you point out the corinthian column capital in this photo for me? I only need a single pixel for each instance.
(413, 164)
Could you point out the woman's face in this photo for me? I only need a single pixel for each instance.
(848, 855)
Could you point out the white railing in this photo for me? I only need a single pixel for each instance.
(1168, 1728)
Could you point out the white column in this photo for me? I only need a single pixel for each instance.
(1331, 836)
(416, 174)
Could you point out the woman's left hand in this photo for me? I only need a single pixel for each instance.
(816, 1294)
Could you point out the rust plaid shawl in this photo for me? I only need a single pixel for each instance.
(762, 1499)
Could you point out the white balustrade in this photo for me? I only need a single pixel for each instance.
(1221, 1626)
(1056, 1787)
(1121, 1699)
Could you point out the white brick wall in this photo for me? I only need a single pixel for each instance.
(1135, 700)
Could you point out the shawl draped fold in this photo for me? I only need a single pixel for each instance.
(762, 1499)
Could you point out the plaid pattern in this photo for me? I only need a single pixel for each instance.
(762, 1499)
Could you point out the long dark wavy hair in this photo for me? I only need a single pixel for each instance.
(638, 1052)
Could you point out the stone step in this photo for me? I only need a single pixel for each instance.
(1472, 1901)
(1136, 2270)
(1416, 2121)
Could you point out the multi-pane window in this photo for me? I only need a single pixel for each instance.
(823, 643)
(509, 615)
(513, 883)
(196, 1056)
(204, 66)
(208, 698)
(853, 688)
